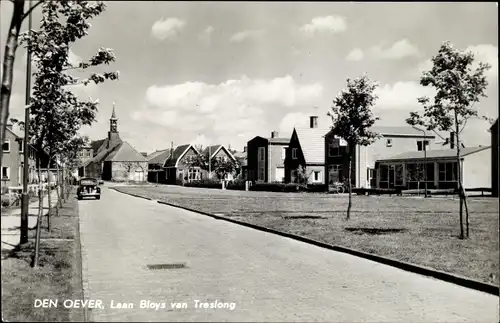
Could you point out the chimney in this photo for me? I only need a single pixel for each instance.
(452, 140)
(274, 134)
(245, 149)
(313, 122)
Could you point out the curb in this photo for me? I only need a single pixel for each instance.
(84, 269)
(425, 271)
(131, 194)
(78, 242)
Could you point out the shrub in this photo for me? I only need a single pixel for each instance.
(237, 184)
(277, 187)
(317, 188)
(204, 183)
(5, 201)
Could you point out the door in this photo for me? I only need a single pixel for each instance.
(392, 176)
(280, 174)
(139, 175)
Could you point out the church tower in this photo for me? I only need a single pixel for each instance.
(113, 135)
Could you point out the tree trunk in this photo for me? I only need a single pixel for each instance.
(58, 185)
(40, 214)
(48, 195)
(8, 65)
(349, 205)
(459, 178)
(63, 183)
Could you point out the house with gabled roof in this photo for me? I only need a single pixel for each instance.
(266, 158)
(156, 160)
(307, 150)
(114, 159)
(177, 170)
(218, 151)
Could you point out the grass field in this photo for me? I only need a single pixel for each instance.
(57, 277)
(411, 229)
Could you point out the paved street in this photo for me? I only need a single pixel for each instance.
(268, 277)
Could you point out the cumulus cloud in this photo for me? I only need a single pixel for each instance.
(206, 35)
(401, 95)
(486, 53)
(167, 28)
(226, 110)
(355, 55)
(400, 49)
(331, 24)
(247, 34)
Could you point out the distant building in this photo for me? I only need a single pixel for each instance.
(494, 159)
(156, 160)
(218, 151)
(241, 156)
(114, 159)
(177, 170)
(266, 158)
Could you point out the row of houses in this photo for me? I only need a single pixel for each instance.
(13, 161)
(403, 157)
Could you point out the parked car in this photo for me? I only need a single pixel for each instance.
(88, 187)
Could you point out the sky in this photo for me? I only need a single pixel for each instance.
(225, 72)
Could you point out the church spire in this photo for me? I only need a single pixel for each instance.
(113, 115)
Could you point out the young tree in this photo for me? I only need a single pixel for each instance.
(302, 176)
(352, 119)
(18, 16)
(458, 87)
(56, 114)
(223, 167)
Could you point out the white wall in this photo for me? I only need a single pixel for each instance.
(477, 169)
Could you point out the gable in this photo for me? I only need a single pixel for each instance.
(223, 152)
(187, 153)
(312, 144)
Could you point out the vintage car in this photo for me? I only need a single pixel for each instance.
(88, 187)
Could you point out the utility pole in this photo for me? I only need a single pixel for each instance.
(25, 195)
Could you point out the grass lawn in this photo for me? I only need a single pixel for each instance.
(411, 229)
(57, 277)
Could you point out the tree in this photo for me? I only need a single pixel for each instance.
(302, 176)
(416, 173)
(224, 166)
(56, 114)
(11, 44)
(352, 119)
(458, 87)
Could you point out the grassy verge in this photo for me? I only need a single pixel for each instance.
(57, 278)
(416, 230)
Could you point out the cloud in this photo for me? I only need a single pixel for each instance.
(206, 35)
(167, 28)
(401, 95)
(355, 55)
(331, 24)
(201, 140)
(400, 49)
(84, 92)
(486, 53)
(73, 58)
(224, 110)
(247, 34)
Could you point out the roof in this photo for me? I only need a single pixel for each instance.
(211, 149)
(312, 142)
(95, 145)
(102, 155)
(436, 154)
(126, 153)
(177, 153)
(158, 157)
(400, 131)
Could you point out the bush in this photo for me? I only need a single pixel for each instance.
(376, 191)
(5, 201)
(204, 183)
(237, 184)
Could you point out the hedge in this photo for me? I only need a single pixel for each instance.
(277, 187)
(204, 183)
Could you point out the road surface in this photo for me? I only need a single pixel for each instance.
(264, 276)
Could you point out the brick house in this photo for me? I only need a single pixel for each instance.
(113, 158)
(218, 151)
(307, 149)
(403, 170)
(494, 158)
(13, 160)
(176, 169)
(393, 141)
(266, 158)
(156, 160)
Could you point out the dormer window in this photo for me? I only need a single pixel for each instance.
(388, 143)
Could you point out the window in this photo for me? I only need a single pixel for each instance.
(261, 153)
(388, 143)
(317, 176)
(294, 153)
(283, 153)
(21, 146)
(6, 146)
(420, 145)
(5, 172)
(194, 174)
(261, 174)
(448, 172)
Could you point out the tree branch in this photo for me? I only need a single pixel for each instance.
(31, 9)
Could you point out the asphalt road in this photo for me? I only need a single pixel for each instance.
(267, 277)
